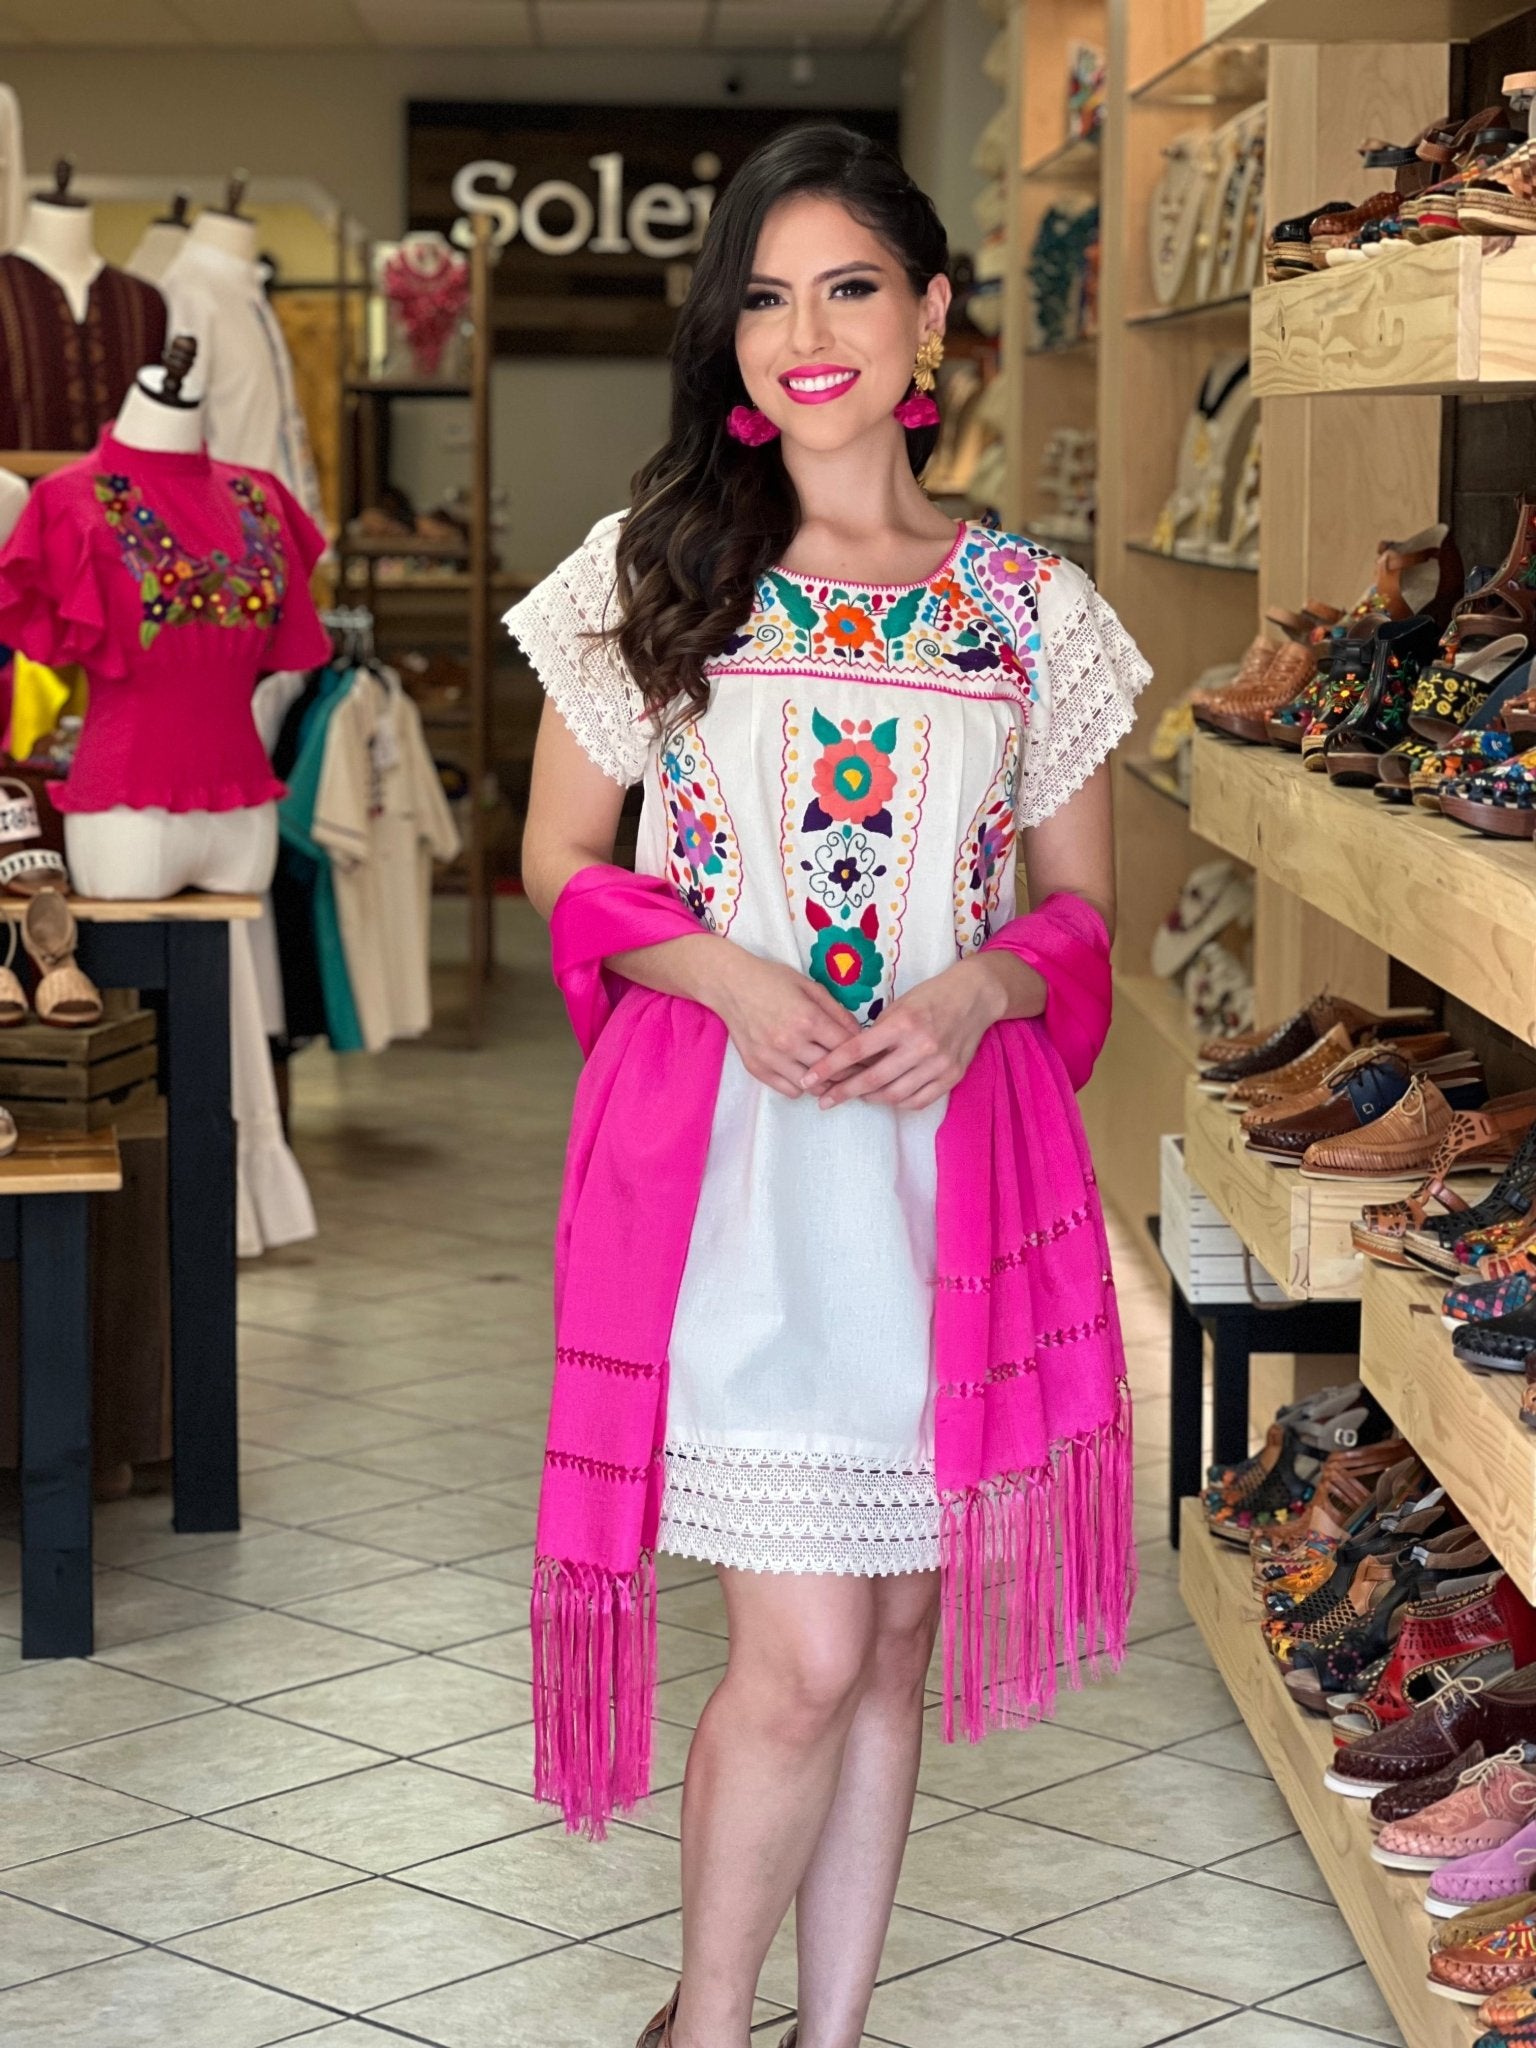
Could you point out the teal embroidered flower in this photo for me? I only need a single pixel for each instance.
(846, 961)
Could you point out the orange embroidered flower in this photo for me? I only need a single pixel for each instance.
(853, 779)
(846, 626)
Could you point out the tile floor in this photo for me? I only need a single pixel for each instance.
(288, 1797)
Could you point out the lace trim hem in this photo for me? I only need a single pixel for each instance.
(798, 1512)
(1095, 674)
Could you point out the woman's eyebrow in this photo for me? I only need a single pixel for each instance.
(821, 277)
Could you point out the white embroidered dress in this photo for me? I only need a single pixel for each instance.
(847, 804)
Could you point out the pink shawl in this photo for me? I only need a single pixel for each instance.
(1032, 1451)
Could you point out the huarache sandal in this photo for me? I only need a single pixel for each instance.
(1500, 802)
(1288, 246)
(64, 996)
(1503, 1346)
(1501, 199)
(1405, 1234)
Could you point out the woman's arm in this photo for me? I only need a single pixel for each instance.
(779, 1021)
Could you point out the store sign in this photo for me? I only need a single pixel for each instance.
(595, 212)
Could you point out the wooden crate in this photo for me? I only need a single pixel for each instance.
(1204, 1253)
(54, 1080)
(1445, 316)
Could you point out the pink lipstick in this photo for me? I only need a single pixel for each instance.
(817, 383)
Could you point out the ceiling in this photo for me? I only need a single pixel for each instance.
(439, 24)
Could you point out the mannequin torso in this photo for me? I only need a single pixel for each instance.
(58, 239)
(226, 231)
(150, 420)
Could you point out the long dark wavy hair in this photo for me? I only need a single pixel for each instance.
(707, 515)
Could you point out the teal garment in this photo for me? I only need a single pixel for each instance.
(311, 863)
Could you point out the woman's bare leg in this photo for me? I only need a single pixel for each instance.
(843, 1906)
(762, 1775)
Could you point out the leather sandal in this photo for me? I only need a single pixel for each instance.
(64, 996)
(1501, 199)
(1410, 1137)
(1245, 713)
(1288, 245)
(1499, 802)
(14, 1008)
(658, 2032)
(1506, 603)
(1406, 1234)
(1301, 1031)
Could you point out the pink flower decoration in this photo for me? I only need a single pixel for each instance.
(917, 411)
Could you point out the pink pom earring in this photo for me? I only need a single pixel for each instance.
(917, 411)
(753, 429)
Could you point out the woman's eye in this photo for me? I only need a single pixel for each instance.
(756, 301)
(855, 288)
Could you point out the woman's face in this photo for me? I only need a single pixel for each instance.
(830, 325)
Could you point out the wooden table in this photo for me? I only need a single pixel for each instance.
(45, 1227)
(177, 953)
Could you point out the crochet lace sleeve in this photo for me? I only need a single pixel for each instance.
(588, 682)
(1091, 672)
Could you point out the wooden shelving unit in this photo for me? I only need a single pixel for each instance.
(466, 579)
(1359, 21)
(1481, 1452)
(1383, 1907)
(1458, 908)
(1451, 316)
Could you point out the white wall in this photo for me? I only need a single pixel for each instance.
(568, 432)
(946, 101)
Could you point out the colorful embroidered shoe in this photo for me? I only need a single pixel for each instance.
(1311, 1415)
(1498, 1960)
(1484, 1301)
(1446, 698)
(1499, 801)
(1507, 2008)
(1378, 718)
(1467, 754)
(1494, 1802)
(1501, 200)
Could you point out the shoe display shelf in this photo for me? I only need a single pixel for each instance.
(1482, 1454)
(1458, 908)
(1383, 1907)
(1298, 1228)
(1455, 315)
(1166, 81)
(1358, 21)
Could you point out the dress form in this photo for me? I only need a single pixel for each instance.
(230, 232)
(13, 496)
(149, 418)
(59, 240)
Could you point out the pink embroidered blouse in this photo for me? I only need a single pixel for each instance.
(175, 582)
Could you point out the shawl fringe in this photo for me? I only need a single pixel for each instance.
(594, 1682)
(1007, 1617)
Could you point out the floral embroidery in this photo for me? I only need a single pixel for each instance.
(703, 859)
(176, 587)
(981, 864)
(848, 848)
(973, 628)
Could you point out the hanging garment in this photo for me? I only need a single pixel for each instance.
(381, 814)
(847, 804)
(292, 894)
(274, 697)
(174, 581)
(62, 380)
(306, 864)
(243, 372)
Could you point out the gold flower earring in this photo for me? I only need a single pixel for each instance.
(918, 408)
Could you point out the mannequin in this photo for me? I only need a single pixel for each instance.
(13, 497)
(57, 235)
(170, 788)
(244, 373)
(13, 169)
(160, 244)
(75, 329)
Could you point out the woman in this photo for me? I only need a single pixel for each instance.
(843, 709)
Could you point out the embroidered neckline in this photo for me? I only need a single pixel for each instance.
(177, 587)
(823, 582)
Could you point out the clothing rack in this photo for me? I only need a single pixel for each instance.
(366, 403)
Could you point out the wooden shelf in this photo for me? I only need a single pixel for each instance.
(62, 1163)
(1457, 315)
(1073, 162)
(1383, 1907)
(36, 462)
(1298, 1228)
(387, 387)
(1466, 1424)
(1086, 345)
(1202, 309)
(1160, 1004)
(1214, 73)
(1455, 907)
(1367, 21)
(1145, 547)
(1155, 776)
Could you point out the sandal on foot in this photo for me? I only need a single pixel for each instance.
(658, 2033)
(64, 995)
